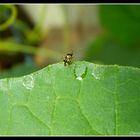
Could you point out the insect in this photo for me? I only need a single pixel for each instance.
(68, 59)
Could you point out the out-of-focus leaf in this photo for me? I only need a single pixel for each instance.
(11, 19)
(123, 22)
(107, 51)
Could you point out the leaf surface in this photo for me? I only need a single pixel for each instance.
(80, 99)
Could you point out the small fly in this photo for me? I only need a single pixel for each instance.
(68, 59)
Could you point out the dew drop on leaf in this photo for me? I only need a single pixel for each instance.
(79, 78)
(97, 73)
(80, 71)
(28, 82)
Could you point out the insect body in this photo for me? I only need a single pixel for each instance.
(67, 59)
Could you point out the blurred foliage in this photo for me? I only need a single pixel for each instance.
(123, 23)
(120, 41)
(104, 50)
(9, 20)
(18, 40)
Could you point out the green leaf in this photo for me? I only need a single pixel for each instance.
(80, 99)
(122, 21)
(105, 50)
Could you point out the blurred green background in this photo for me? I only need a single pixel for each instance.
(34, 36)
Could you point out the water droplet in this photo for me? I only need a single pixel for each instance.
(79, 78)
(80, 71)
(28, 82)
(96, 76)
(98, 72)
